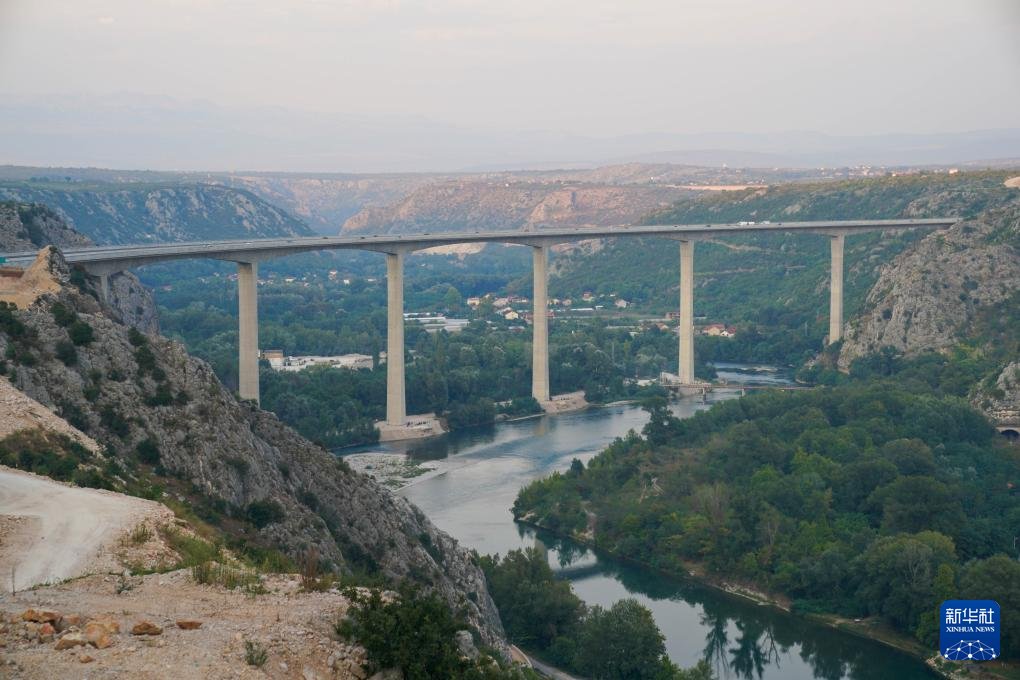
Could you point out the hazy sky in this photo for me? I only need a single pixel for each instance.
(593, 67)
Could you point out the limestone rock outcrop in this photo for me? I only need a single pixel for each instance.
(927, 296)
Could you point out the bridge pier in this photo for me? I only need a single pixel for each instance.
(836, 242)
(104, 287)
(686, 370)
(540, 325)
(396, 404)
(248, 330)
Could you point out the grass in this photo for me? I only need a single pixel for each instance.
(192, 549)
(231, 578)
(140, 534)
(255, 654)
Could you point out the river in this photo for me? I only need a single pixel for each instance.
(483, 469)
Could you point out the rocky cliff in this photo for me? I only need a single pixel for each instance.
(168, 423)
(495, 205)
(28, 226)
(928, 296)
(142, 213)
(24, 226)
(954, 286)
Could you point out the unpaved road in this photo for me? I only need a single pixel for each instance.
(55, 532)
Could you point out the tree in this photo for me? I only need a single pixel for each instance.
(997, 578)
(621, 642)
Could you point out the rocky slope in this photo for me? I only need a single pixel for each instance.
(498, 205)
(146, 399)
(24, 226)
(29, 226)
(142, 213)
(941, 292)
(928, 296)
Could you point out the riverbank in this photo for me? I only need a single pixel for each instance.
(869, 629)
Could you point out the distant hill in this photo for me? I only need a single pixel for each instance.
(499, 205)
(110, 212)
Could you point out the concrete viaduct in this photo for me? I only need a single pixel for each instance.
(102, 261)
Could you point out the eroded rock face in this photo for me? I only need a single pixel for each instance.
(26, 226)
(926, 296)
(1002, 402)
(133, 302)
(232, 454)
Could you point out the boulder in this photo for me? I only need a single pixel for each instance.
(46, 632)
(146, 628)
(98, 635)
(189, 624)
(112, 627)
(40, 616)
(70, 641)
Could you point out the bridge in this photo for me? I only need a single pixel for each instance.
(104, 261)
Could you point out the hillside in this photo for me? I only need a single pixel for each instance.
(953, 291)
(497, 205)
(172, 431)
(146, 212)
(27, 227)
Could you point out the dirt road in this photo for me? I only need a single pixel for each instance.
(50, 531)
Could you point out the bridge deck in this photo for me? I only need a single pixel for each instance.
(112, 258)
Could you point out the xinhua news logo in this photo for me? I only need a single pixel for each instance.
(969, 630)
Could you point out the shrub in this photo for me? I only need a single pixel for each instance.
(80, 333)
(66, 352)
(255, 654)
(112, 420)
(148, 451)
(62, 315)
(162, 397)
(136, 337)
(263, 513)
(414, 632)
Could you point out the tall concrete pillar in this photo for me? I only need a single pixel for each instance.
(686, 371)
(836, 289)
(248, 316)
(396, 406)
(540, 327)
(104, 287)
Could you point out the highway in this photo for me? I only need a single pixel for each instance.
(108, 259)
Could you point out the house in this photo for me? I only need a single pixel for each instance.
(473, 302)
(621, 304)
(501, 302)
(719, 330)
(510, 315)
(587, 296)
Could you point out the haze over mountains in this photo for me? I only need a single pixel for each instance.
(162, 133)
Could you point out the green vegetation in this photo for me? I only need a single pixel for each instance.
(462, 376)
(541, 613)
(416, 633)
(872, 498)
(732, 272)
(255, 653)
(52, 455)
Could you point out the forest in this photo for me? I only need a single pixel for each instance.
(875, 497)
